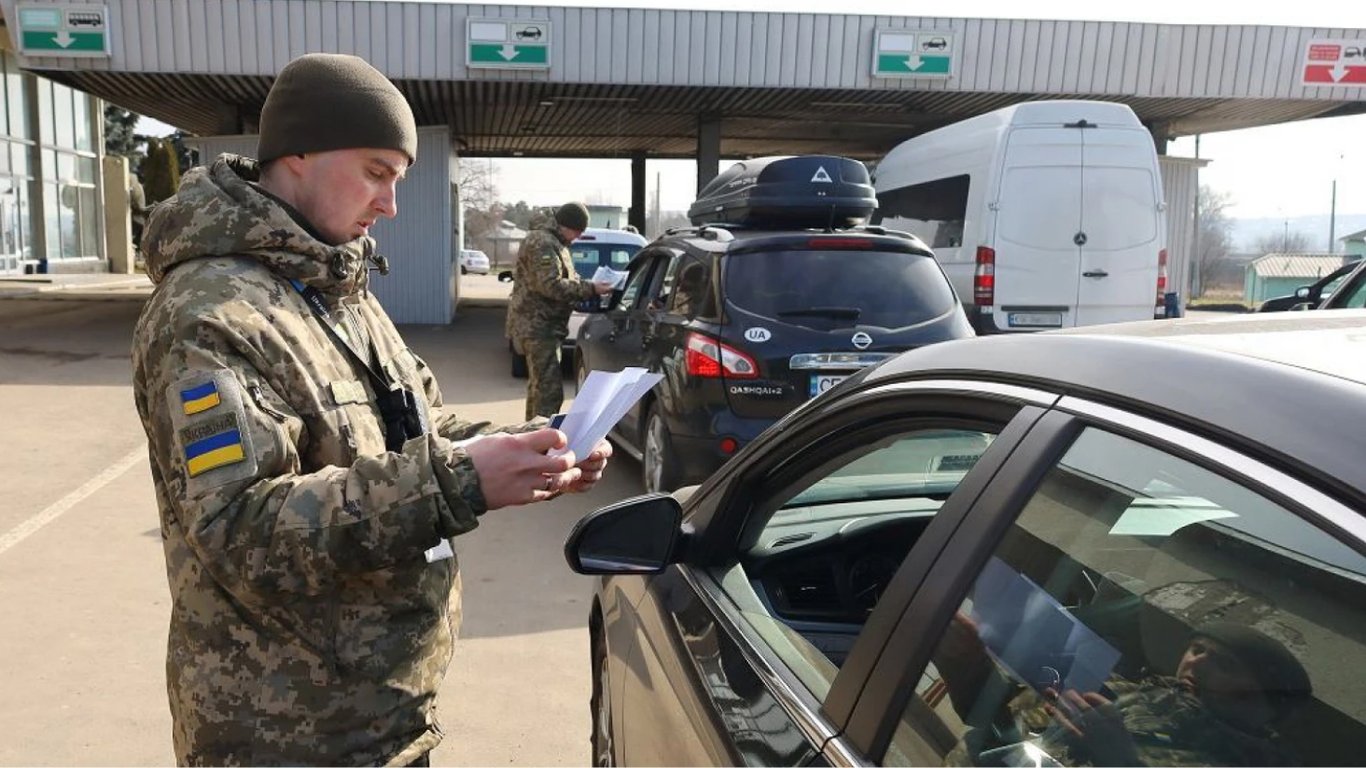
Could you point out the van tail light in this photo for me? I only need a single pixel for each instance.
(984, 278)
(708, 358)
(1160, 310)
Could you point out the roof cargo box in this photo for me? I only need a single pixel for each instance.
(785, 191)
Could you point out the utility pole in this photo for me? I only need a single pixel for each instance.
(658, 220)
(1197, 286)
(1333, 220)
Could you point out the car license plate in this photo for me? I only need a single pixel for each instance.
(1035, 319)
(821, 383)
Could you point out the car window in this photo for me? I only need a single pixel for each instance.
(587, 257)
(1355, 297)
(692, 296)
(819, 563)
(1143, 610)
(662, 283)
(635, 284)
(886, 289)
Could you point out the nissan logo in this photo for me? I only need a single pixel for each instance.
(862, 340)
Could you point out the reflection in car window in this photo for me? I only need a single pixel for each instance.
(821, 562)
(635, 283)
(1146, 611)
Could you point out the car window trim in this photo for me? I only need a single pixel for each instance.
(1296, 496)
(800, 704)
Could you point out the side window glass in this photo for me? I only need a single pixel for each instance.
(1357, 299)
(585, 258)
(1143, 610)
(635, 284)
(662, 293)
(690, 294)
(832, 544)
(620, 258)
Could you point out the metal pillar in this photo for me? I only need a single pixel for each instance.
(708, 148)
(636, 216)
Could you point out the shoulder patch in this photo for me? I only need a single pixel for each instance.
(212, 431)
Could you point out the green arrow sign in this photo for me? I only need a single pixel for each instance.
(509, 54)
(58, 42)
(910, 63)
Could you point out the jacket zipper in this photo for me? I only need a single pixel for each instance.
(259, 397)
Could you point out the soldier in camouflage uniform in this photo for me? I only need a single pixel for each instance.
(544, 290)
(315, 597)
(1232, 684)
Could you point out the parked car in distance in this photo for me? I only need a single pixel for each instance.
(945, 557)
(472, 261)
(749, 317)
(596, 247)
(1309, 296)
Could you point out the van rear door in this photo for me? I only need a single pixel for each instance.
(1039, 213)
(1121, 226)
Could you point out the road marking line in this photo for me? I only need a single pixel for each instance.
(55, 510)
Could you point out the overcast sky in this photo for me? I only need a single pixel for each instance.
(1277, 171)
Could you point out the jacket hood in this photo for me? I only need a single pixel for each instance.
(219, 211)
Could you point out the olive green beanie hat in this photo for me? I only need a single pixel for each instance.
(572, 215)
(325, 101)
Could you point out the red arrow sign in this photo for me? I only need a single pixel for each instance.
(1326, 74)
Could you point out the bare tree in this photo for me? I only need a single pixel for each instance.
(1215, 239)
(1288, 241)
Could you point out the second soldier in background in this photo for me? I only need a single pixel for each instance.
(545, 289)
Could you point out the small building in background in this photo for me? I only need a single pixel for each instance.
(501, 243)
(1354, 245)
(1280, 274)
(606, 216)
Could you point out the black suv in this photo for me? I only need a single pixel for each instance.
(747, 321)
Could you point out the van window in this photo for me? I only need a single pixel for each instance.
(934, 211)
(587, 257)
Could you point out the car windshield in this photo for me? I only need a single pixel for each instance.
(588, 257)
(826, 290)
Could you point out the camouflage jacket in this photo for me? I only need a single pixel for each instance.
(308, 625)
(545, 286)
(1168, 726)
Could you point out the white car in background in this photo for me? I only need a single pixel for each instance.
(474, 261)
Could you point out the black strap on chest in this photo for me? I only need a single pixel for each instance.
(402, 415)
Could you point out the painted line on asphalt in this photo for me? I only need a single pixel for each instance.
(57, 508)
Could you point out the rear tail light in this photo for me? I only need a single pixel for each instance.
(1160, 310)
(984, 277)
(729, 445)
(708, 358)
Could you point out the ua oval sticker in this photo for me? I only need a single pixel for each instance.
(758, 335)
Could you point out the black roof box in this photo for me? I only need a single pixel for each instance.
(788, 191)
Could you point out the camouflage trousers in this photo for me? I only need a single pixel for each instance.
(545, 383)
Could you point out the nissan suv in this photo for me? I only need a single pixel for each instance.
(746, 324)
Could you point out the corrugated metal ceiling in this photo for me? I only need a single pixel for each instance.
(556, 119)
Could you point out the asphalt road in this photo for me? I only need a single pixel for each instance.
(83, 597)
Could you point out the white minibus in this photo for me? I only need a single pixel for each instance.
(1043, 214)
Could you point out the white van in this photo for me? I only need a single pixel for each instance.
(1043, 214)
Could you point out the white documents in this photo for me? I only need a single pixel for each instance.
(608, 275)
(601, 402)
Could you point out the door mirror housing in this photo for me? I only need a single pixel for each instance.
(1302, 292)
(505, 276)
(641, 535)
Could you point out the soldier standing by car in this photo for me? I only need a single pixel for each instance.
(304, 468)
(545, 289)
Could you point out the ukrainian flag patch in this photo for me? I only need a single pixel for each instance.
(199, 399)
(212, 444)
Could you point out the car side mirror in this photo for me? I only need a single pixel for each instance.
(640, 535)
(1302, 292)
(505, 276)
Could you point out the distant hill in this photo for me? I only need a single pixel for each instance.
(1246, 232)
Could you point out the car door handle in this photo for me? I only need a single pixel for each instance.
(1095, 273)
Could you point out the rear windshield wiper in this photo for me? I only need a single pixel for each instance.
(839, 313)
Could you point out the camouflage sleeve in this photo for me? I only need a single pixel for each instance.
(232, 478)
(543, 265)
